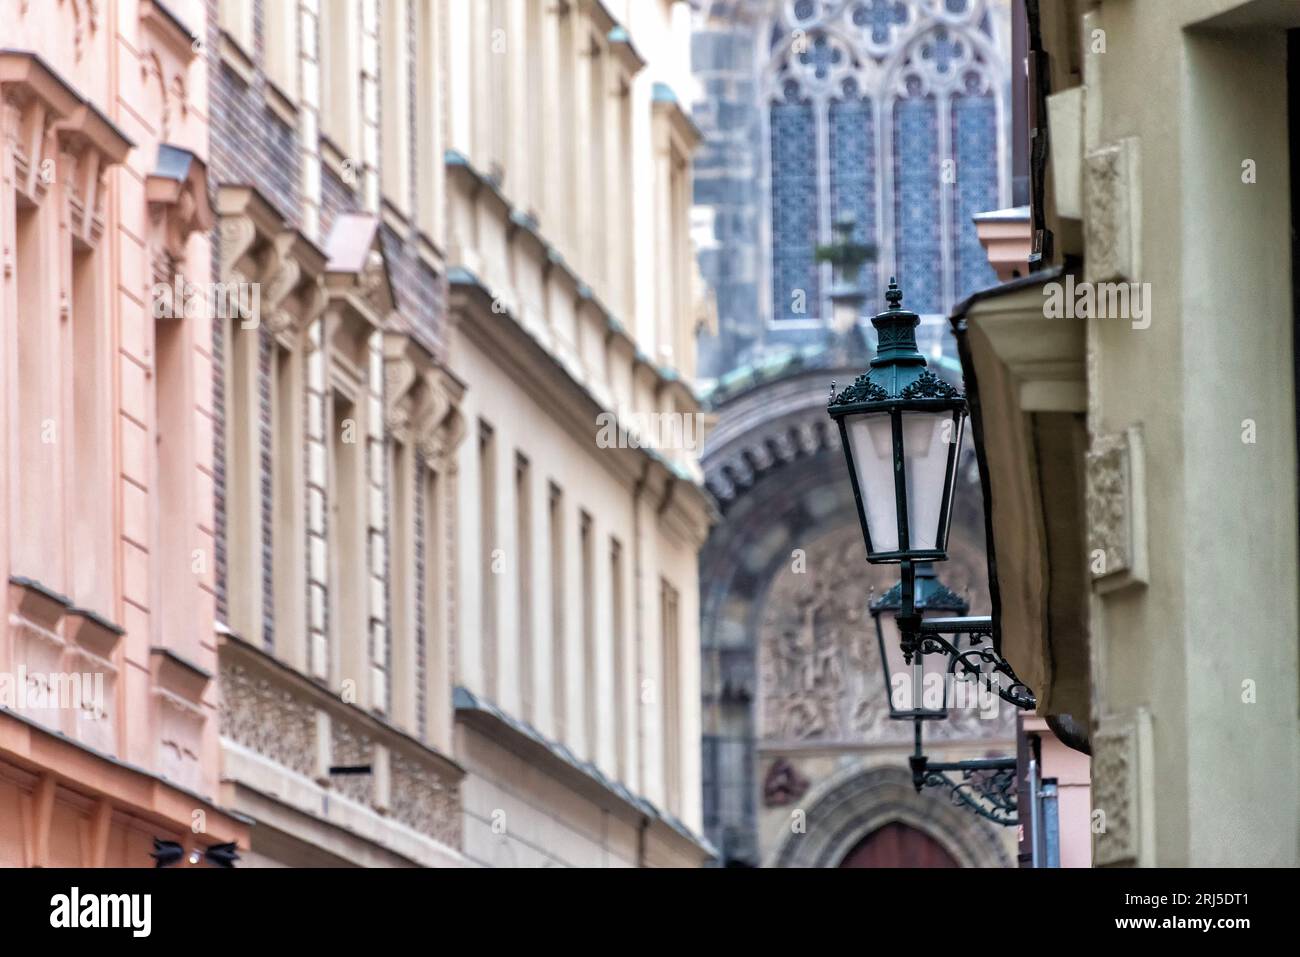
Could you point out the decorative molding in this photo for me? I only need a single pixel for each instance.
(1116, 510)
(1111, 213)
(929, 386)
(1123, 792)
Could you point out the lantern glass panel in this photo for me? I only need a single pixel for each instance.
(928, 439)
(920, 688)
(871, 440)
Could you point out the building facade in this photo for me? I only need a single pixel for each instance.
(574, 303)
(1137, 413)
(456, 625)
(108, 691)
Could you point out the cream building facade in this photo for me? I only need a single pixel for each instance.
(453, 628)
(337, 432)
(573, 309)
(1141, 460)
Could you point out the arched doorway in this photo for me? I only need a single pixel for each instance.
(898, 845)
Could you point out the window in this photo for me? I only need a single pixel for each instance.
(618, 625)
(590, 675)
(91, 450)
(340, 72)
(347, 547)
(35, 550)
(670, 695)
(559, 688)
(407, 666)
(173, 479)
(428, 119)
(280, 39)
(243, 457)
(488, 566)
(906, 105)
(394, 109)
(534, 111)
(288, 539)
(524, 583)
(595, 187)
(236, 19)
(437, 678)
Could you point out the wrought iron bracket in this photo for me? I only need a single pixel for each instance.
(980, 660)
(986, 786)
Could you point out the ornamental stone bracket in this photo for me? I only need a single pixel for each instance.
(54, 135)
(422, 400)
(177, 194)
(249, 225)
(33, 99)
(1116, 510)
(1123, 791)
(294, 294)
(1111, 213)
(282, 733)
(258, 246)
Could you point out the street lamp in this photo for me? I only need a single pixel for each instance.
(908, 698)
(901, 429)
(901, 426)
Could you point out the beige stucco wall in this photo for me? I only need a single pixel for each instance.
(1206, 647)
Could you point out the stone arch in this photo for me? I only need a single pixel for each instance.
(857, 800)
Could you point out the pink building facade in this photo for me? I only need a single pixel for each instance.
(108, 731)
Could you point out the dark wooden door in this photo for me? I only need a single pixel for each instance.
(897, 845)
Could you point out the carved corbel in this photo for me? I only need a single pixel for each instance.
(238, 234)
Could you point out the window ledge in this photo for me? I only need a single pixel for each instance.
(236, 57)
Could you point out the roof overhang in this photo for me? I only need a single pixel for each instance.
(1026, 382)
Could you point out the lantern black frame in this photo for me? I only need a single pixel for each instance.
(898, 382)
(930, 594)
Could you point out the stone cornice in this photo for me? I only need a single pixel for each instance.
(572, 404)
(521, 223)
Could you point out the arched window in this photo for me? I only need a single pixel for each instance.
(891, 112)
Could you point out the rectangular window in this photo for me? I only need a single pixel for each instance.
(340, 74)
(242, 469)
(437, 677)
(590, 676)
(558, 665)
(402, 584)
(669, 694)
(173, 479)
(236, 19)
(618, 625)
(91, 449)
(524, 583)
(347, 549)
(487, 556)
(287, 475)
(280, 39)
(534, 112)
(35, 553)
(428, 119)
(395, 85)
(595, 186)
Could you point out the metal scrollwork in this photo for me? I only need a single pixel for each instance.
(986, 787)
(979, 661)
